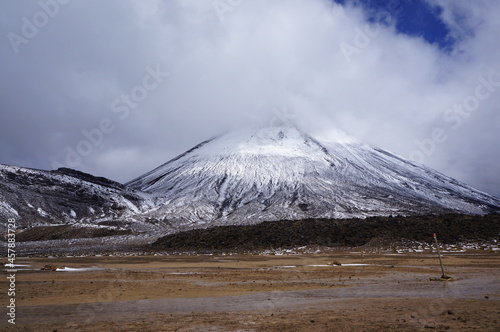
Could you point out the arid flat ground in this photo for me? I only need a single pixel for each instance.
(295, 292)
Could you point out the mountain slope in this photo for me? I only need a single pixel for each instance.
(65, 196)
(282, 173)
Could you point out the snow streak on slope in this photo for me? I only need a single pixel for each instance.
(282, 173)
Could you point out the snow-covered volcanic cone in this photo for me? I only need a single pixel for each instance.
(283, 173)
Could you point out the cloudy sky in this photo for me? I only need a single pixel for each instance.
(117, 87)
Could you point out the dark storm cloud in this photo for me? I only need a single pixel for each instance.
(115, 88)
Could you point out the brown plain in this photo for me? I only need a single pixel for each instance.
(302, 292)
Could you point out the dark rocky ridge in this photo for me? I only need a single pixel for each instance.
(451, 228)
(89, 178)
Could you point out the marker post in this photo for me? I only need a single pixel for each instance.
(443, 276)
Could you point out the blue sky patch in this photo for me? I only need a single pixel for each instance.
(415, 18)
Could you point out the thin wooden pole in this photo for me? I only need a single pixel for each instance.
(439, 255)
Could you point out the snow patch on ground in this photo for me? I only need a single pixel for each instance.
(77, 269)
